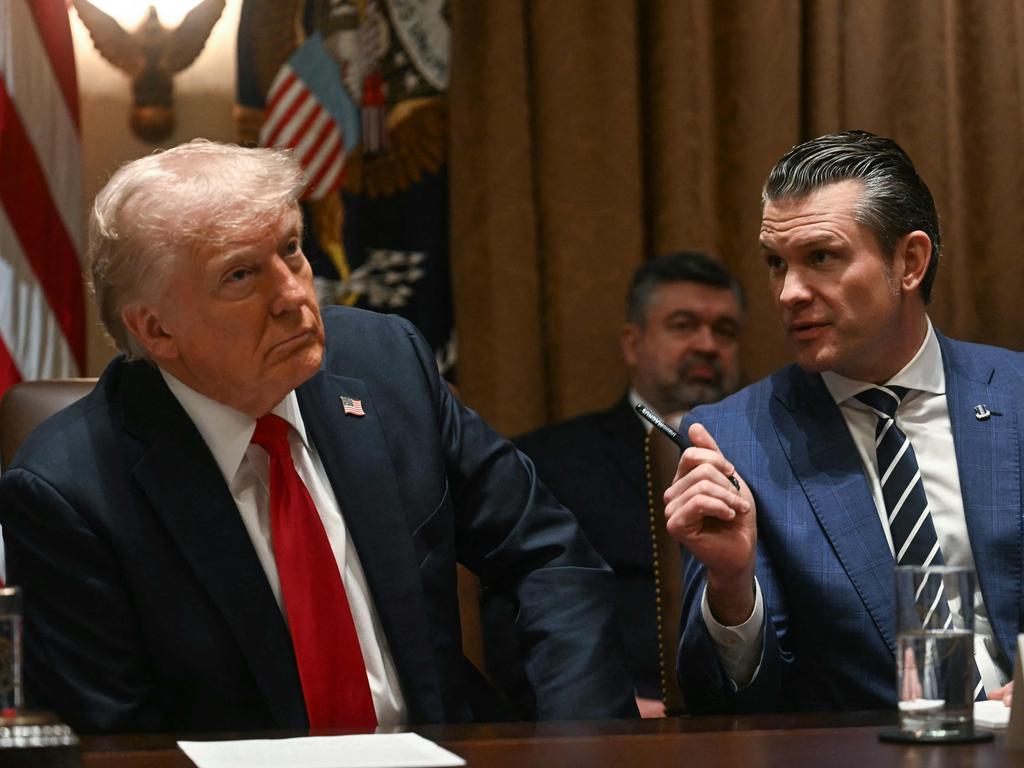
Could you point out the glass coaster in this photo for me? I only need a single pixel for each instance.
(894, 736)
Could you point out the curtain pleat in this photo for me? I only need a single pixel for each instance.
(589, 135)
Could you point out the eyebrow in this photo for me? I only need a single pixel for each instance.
(226, 258)
(295, 230)
(245, 249)
(807, 242)
(689, 314)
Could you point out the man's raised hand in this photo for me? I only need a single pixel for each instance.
(716, 523)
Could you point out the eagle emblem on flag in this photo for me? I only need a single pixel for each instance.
(376, 213)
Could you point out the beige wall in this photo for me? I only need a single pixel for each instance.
(203, 98)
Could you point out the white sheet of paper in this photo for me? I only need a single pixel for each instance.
(991, 714)
(375, 750)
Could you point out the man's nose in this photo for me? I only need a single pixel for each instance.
(794, 289)
(289, 291)
(704, 341)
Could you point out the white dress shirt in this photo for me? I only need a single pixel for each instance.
(246, 470)
(924, 418)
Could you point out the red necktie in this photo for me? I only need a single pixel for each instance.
(331, 666)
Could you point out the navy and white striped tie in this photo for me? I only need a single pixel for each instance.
(914, 540)
(910, 521)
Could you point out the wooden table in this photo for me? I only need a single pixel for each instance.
(791, 741)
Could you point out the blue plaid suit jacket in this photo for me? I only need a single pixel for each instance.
(823, 562)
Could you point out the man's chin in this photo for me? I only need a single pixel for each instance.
(814, 361)
(307, 361)
(298, 366)
(696, 394)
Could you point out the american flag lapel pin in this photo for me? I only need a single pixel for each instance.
(351, 406)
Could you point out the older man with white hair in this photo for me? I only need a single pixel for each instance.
(254, 519)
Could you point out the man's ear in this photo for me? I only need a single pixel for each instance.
(144, 324)
(915, 251)
(631, 333)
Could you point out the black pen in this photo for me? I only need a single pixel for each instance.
(671, 434)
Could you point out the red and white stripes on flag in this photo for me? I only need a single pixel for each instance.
(351, 406)
(296, 120)
(42, 303)
(309, 112)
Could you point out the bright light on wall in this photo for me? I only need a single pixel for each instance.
(131, 12)
(151, 51)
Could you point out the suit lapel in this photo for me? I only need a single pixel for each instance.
(355, 455)
(625, 444)
(987, 453)
(203, 519)
(824, 459)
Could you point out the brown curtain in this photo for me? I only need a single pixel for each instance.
(588, 135)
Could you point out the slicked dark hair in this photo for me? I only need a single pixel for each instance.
(676, 267)
(895, 200)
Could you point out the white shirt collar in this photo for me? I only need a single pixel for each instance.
(225, 431)
(924, 372)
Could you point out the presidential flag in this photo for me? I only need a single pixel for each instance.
(42, 326)
(381, 240)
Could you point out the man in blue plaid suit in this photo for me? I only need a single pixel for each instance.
(788, 601)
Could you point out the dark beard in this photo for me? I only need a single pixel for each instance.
(689, 394)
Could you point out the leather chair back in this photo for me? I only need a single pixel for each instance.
(28, 403)
(660, 461)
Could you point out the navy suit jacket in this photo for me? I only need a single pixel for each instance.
(146, 607)
(823, 562)
(594, 464)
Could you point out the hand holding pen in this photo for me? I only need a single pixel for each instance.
(672, 435)
(712, 514)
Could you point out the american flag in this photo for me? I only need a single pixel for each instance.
(309, 111)
(42, 305)
(352, 406)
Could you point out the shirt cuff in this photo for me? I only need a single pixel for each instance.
(740, 648)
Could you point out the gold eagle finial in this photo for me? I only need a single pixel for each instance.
(150, 56)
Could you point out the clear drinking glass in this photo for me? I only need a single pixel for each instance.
(935, 651)
(10, 652)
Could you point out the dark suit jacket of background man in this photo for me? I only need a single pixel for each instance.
(594, 464)
(146, 607)
(823, 562)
